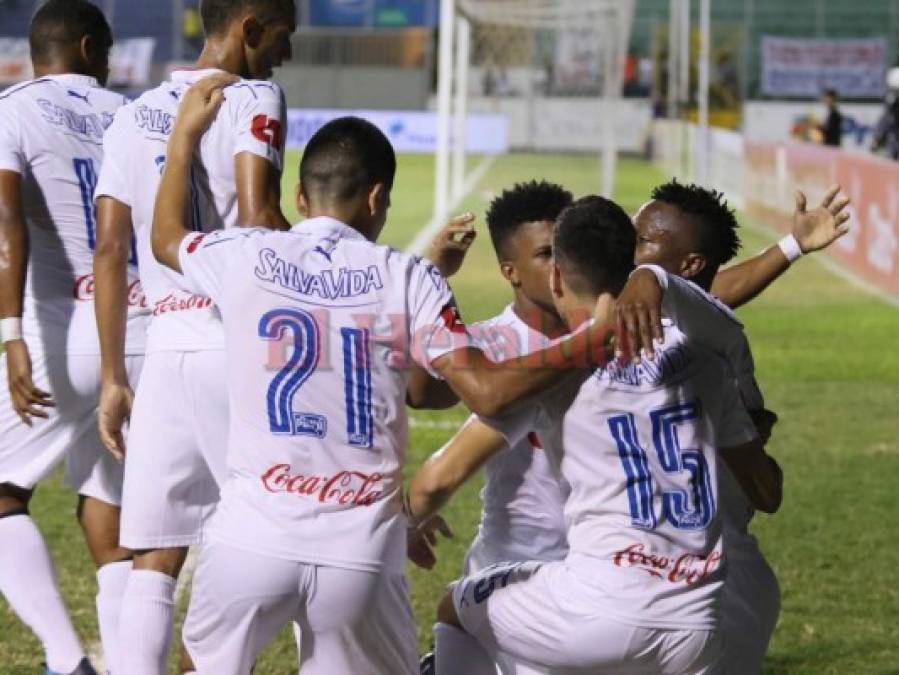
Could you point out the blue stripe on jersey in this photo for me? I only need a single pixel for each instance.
(22, 87)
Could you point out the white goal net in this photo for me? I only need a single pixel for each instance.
(552, 67)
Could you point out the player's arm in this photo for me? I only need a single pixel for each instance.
(449, 468)
(28, 401)
(258, 192)
(487, 387)
(812, 231)
(198, 109)
(114, 232)
(758, 474)
(428, 393)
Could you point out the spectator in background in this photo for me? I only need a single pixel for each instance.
(192, 30)
(886, 133)
(832, 130)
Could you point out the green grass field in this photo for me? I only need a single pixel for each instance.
(826, 357)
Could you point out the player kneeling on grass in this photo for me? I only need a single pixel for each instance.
(639, 445)
(320, 324)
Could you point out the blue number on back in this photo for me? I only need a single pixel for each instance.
(357, 386)
(86, 174)
(302, 361)
(87, 182)
(692, 508)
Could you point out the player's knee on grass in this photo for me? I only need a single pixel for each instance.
(167, 561)
(14, 500)
(446, 609)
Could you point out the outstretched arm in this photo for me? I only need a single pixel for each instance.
(198, 109)
(812, 231)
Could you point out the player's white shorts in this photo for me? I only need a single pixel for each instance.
(749, 611)
(29, 454)
(540, 618)
(241, 600)
(175, 457)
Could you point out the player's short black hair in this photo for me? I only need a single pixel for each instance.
(345, 157)
(716, 223)
(594, 244)
(217, 14)
(58, 24)
(530, 202)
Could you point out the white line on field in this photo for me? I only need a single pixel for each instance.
(417, 423)
(426, 234)
(831, 266)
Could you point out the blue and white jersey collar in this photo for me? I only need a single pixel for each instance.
(325, 226)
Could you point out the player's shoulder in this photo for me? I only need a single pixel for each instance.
(252, 90)
(23, 92)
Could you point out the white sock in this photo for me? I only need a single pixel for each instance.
(28, 580)
(111, 581)
(458, 653)
(145, 623)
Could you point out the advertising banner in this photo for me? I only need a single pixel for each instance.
(408, 131)
(804, 68)
(871, 249)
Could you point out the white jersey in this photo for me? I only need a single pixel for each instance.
(687, 305)
(250, 120)
(51, 132)
(319, 326)
(637, 446)
(522, 498)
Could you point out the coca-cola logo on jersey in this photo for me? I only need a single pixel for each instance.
(85, 289)
(182, 303)
(346, 488)
(687, 568)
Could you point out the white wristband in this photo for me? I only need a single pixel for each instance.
(11, 329)
(790, 247)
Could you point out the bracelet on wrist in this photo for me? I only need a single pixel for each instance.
(10, 329)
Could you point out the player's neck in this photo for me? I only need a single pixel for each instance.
(347, 216)
(578, 310)
(536, 317)
(216, 55)
(56, 68)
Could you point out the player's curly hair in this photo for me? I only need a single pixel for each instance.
(217, 14)
(718, 238)
(529, 202)
(594, 244)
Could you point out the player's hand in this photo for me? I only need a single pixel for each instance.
(199, 106)
(764, 421)
(422, 539)
(820, 227)
(27, 400)
(112, 413)
(638, 313)
(450, 246)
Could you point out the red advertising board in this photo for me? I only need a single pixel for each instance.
(871, 249)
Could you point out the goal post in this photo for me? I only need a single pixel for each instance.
(523, 56)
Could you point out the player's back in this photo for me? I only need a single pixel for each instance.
(638, 447)
(51, 132)
(249, 121)
(324, 322)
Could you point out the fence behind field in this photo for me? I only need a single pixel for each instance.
(761, 177)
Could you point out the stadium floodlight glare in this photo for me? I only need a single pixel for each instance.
(525, 36)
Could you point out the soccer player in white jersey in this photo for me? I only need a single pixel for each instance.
(320, 325)
(51, 133)
(176, 450)
(690, 231)
(638, 445)
(512, 527)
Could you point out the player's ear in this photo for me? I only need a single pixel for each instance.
(252, 31)
(378, 199)
(692, 265)
(555, 281)
(507, 269)
(302, 203)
